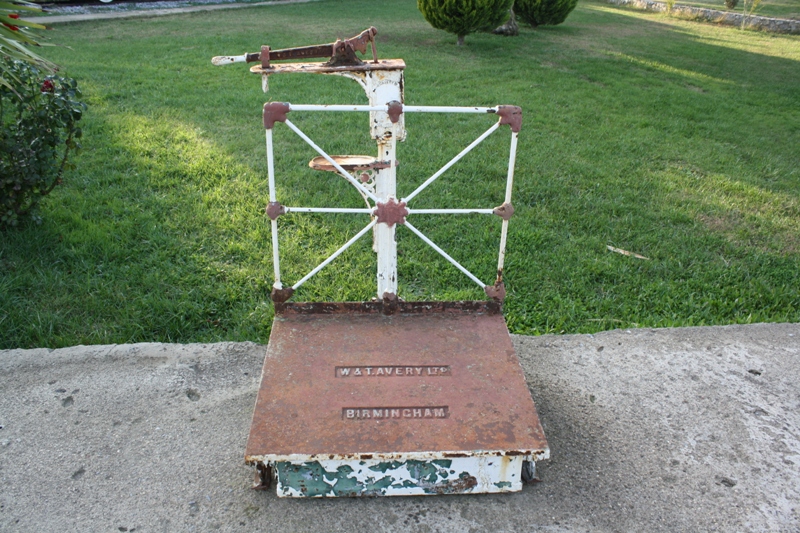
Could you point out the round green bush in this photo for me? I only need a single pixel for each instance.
(539, 12)
(463, 17)
(38, 128)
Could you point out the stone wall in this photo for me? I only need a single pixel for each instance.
(718, 17)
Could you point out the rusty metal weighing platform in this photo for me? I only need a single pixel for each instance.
(386, 397)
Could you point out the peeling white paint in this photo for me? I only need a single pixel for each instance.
(492, 474)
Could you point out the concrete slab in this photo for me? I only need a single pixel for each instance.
(693, 429)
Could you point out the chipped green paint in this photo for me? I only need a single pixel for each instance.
(312, 479)
(503, 484)
(307, 478)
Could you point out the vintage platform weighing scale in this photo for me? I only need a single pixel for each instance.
(386, 397)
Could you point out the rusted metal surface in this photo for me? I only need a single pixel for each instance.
(505, 211)
(315, 51)
(323, 68)
(348, 162)
(275, 112)
(275, 209)
(344, 54)
(511, 115)
(359, 42)
(496, 292)
(389, 303)
(377, 307)
(263, 56)
(263, 477)
(281, 295)
(395, 109)
(391, 212)
(340, 53)
(306, 412)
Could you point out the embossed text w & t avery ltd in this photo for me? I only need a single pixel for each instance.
(392, 371)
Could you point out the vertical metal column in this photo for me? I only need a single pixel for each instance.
(383, 87)
(386, 188)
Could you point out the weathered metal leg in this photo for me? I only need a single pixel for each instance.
(529, 472)
(263, 477)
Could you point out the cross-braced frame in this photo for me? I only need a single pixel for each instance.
(383, 207)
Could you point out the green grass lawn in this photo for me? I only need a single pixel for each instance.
(675, 140)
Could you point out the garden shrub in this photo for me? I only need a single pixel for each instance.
(17, 35)
(38, 129)
(539, 12)
(463, 17)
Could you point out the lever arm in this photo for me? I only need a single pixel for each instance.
(359, 42)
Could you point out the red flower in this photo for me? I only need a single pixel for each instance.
(13, 16)
(10, 27)
(47, 86)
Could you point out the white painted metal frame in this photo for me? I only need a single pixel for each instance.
(390, 186)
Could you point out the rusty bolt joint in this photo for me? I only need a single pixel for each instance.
(511, 115)
(389, 303)
(496, 292)
(395, 109)
(275, 209)
(275, 112)
(281, 295)
(505, 211)
(344, 55)
(391, 212)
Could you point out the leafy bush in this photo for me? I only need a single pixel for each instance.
(731, 4)
(463, 17)
(38, 129)
(539, 12)
(17, 35)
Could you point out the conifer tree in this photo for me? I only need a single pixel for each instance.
(463, 17)
(538, 12)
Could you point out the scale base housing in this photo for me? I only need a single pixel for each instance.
(412, 398)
